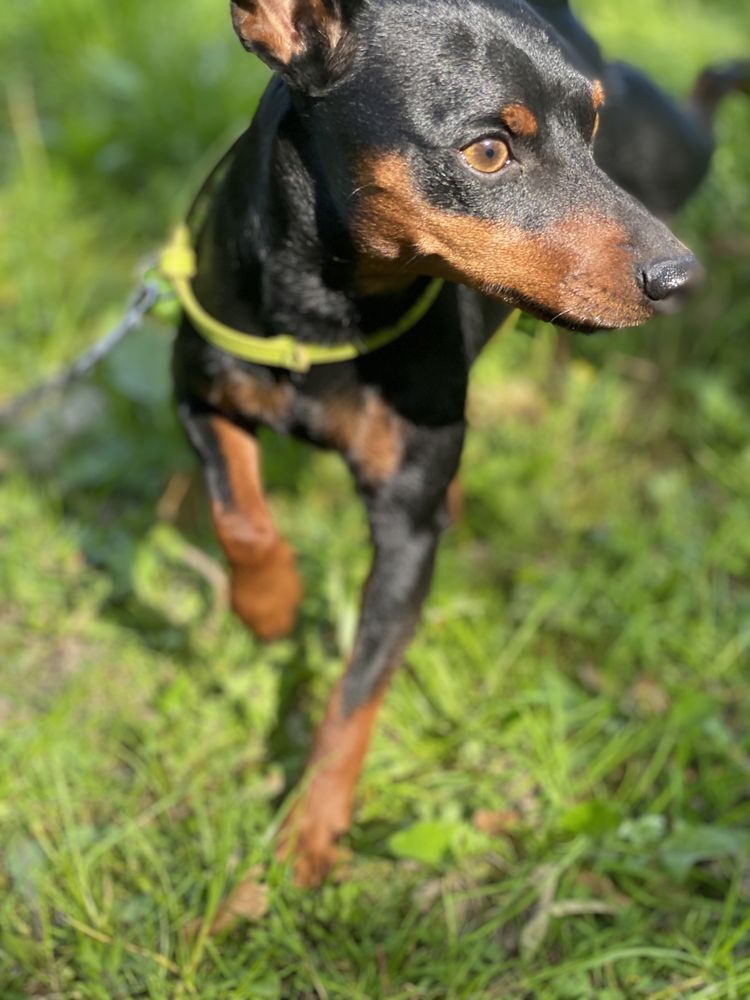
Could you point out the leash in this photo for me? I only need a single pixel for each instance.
(143, 300)
(177, 267)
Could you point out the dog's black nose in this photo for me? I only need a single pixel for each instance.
(664, 279)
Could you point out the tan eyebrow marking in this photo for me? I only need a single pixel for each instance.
(597, 94)
(520, 120)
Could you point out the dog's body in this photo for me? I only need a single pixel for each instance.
(401, 141)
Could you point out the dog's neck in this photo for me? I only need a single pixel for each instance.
(280, 236)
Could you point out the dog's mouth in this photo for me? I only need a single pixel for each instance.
(589, 301)
(582, 315)
(579, 300)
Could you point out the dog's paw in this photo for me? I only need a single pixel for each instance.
(308, 841)
(312, 865)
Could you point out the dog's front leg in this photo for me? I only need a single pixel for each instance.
(265, 586)
(407, 514)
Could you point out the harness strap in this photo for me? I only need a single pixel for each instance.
(178, 265)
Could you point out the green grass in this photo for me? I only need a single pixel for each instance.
(582, 675)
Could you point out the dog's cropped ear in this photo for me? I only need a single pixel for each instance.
(307, 41)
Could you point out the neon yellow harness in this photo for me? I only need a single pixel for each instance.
(178, 265)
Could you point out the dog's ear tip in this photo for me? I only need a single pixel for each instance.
(306, 41)
(239, 9)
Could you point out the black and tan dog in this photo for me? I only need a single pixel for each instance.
(400, 142)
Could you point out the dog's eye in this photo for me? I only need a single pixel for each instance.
(488, 156)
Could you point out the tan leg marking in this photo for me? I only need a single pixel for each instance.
(266, 588)
(323, 811)
(367, 432)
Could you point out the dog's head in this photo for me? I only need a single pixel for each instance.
(456, 142)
